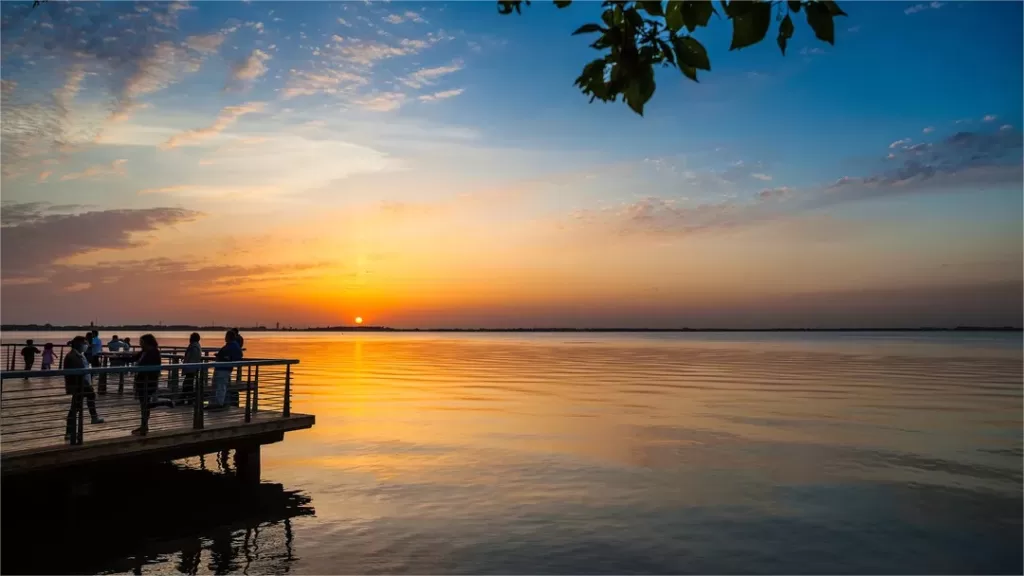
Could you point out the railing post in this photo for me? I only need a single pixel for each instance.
(79, 434)
(256, 391)
(287, 390)
(102, 386)
(14, 354)
(60, 362)
(197, 408)
(248, 400)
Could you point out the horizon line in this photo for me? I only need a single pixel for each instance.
(343, 328)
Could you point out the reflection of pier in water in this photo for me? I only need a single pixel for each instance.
(196, 515)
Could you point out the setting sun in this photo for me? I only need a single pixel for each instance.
(359, 319)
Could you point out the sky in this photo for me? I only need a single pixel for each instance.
(432, 165)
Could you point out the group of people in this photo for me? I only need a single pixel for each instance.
(84, 353)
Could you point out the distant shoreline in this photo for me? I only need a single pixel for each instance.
(185, 328)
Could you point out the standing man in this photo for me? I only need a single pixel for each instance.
(79, 387)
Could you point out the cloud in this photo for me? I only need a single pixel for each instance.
(41, 235)
(115, 168)
(228, 116)
(329, 81)
(408, 16)
(966, 160)
(382, 102)
(428, 76)
(928, 130)
(899, 144)
(811, 51)
(208, 43)
(922, 7)
(1006, 127)
(759, 176)
(853, 29)
(249, 69)
(44, 176)
(442, 95)
(779, 193)
(344, 22)
(990, 118)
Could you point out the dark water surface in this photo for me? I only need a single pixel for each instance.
(585, 453)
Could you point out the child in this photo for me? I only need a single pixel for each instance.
(47, 356)
(29, 352)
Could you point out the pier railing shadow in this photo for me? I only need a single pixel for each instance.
(119, 519)
(34, 404)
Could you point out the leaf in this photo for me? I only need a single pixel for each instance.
(640, 90)
(690, 72)
(652, 7)
(785, 33)
(691, 53)
(587, 29)
(667, 51)
(794, 5)
(750, 24)
(833, 8)
(674, 16)
(820, 20)
(696, 13)
(562, 3)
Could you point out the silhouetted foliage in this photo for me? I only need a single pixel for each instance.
(635, 36)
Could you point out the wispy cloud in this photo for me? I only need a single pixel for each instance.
(228, 116)
(115, 168)
(922, 7)
(408, 16)
(965, 160)
(382, 102)
(759, 176)
(899, 144)
(928, 130)
(990, 118)
(249, 69)
(208, 43)
(442, 95)
(428, 76)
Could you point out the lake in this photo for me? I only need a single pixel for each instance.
(592, 453)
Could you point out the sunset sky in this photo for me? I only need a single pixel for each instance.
(431, 165)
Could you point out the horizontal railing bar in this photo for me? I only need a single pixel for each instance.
(136, 368)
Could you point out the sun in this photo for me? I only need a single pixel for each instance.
(359, 319)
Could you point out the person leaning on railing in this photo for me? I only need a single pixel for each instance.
(193, 355)
(79, 386)
(146, 381)
(230, 352)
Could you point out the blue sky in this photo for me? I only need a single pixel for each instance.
(431, 164)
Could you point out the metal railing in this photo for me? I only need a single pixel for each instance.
(12, 352)
(37, 408)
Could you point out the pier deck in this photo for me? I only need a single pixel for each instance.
(33, 412)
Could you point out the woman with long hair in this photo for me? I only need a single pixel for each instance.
(146, 381)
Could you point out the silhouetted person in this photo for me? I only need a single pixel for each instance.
(193, 355)
(29, 354)
(95, 349)
(230, 352)
(146, 381)
(48, 356)
(79, 387)
(238, 338)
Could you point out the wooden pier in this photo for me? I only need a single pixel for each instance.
(34, 407)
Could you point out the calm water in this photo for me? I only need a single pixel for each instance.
(603, 453)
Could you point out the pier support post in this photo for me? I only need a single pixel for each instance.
(247, 463)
